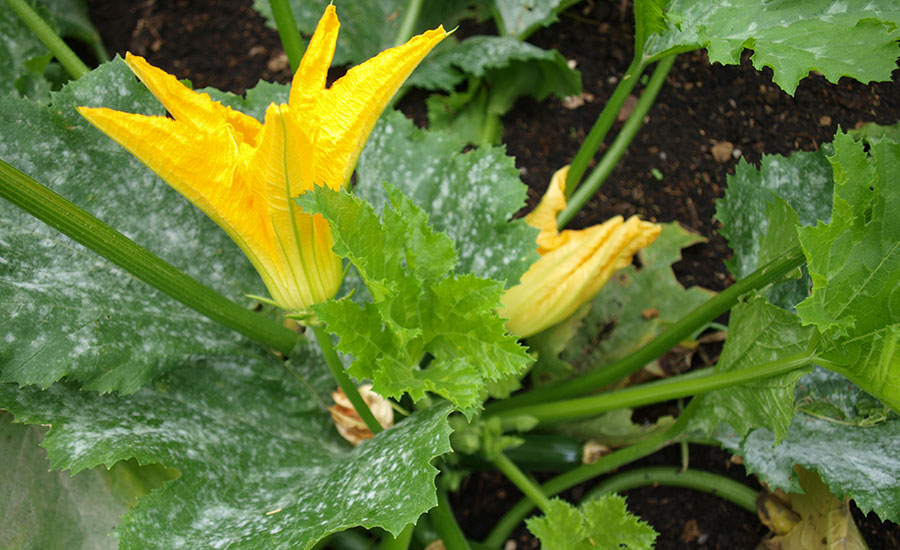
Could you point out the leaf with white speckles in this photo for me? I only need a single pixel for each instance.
(66, 311)
(261, 467)
(847, 436)
(855, 38)
(468, 196)
(758, 333)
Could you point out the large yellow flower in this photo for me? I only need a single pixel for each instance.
(574, 264)
(244, 174)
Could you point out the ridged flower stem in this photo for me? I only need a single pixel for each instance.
(657, 392)
(560, 483)
(445, 523)
(408, 25)
(620, 146)
(665, 341)
(288, 32)
(601, 127)
(343, 380)
(720, 486)
(63, 53)
(72, 221)
(512, 472)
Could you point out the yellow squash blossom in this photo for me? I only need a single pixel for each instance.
(244, 174)
(574, 264)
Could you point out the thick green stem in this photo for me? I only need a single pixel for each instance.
(721, 486)
(445, 524)
(620, 145)
(63, 53)
(62, 215)
(560, 483)
(288, 32)
(604, 122)
(646, 394)
(401, 542)
(408, 25)
(682, 329)
(343, 380)
(522, 481)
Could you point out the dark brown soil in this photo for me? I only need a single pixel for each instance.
(225, 44)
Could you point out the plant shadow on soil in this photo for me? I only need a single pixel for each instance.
(225, 44)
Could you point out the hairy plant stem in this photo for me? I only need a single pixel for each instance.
(601, 127)
(522, 481)
(288, 32)
(63, 53)
(636, 360)
(408, 25)
(656, 392)
(618, 148)
(560, 483)
(445, 524)
(402, 541)
(343, 380)
(720, 486)
(72, 221)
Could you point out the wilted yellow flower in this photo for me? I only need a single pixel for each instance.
(347, 420)
(244, 174)
(574, 264)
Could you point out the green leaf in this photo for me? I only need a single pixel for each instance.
(639, 303)
(602, 522)
(855, 266)
(847, 436)
(491, 57)
(650, 17)
(615, 428)
(73, 20)
(23, 58)
(50, 510)
(758, 333)
(855, 38)
(419, 307)
(68, 312)
(470, 196)
(519, 18)
(761, 208)
(369, 26)
(261, 467)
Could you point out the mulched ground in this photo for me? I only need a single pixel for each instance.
(225, 44)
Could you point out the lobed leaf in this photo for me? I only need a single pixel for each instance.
(758, 333)
(519, 17)
(855, 38)
(854, 262)
(69, 313)
(601, 522)
(261, 466)
(419, 308)
(844, 434)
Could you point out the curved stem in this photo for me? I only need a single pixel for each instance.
(646, 394)
(682, 329)
(720, 486)
(63, 53)
(62, 215)
(522, 481)
(343, 381)
(560, 483)
(620, 145)
(401, 542)
(601, 127)
(408, 25)
(288, 32)
(445, 524)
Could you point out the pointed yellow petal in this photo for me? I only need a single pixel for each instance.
(348, 110)
(544, 215)
(198, 111)
(312, 74)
